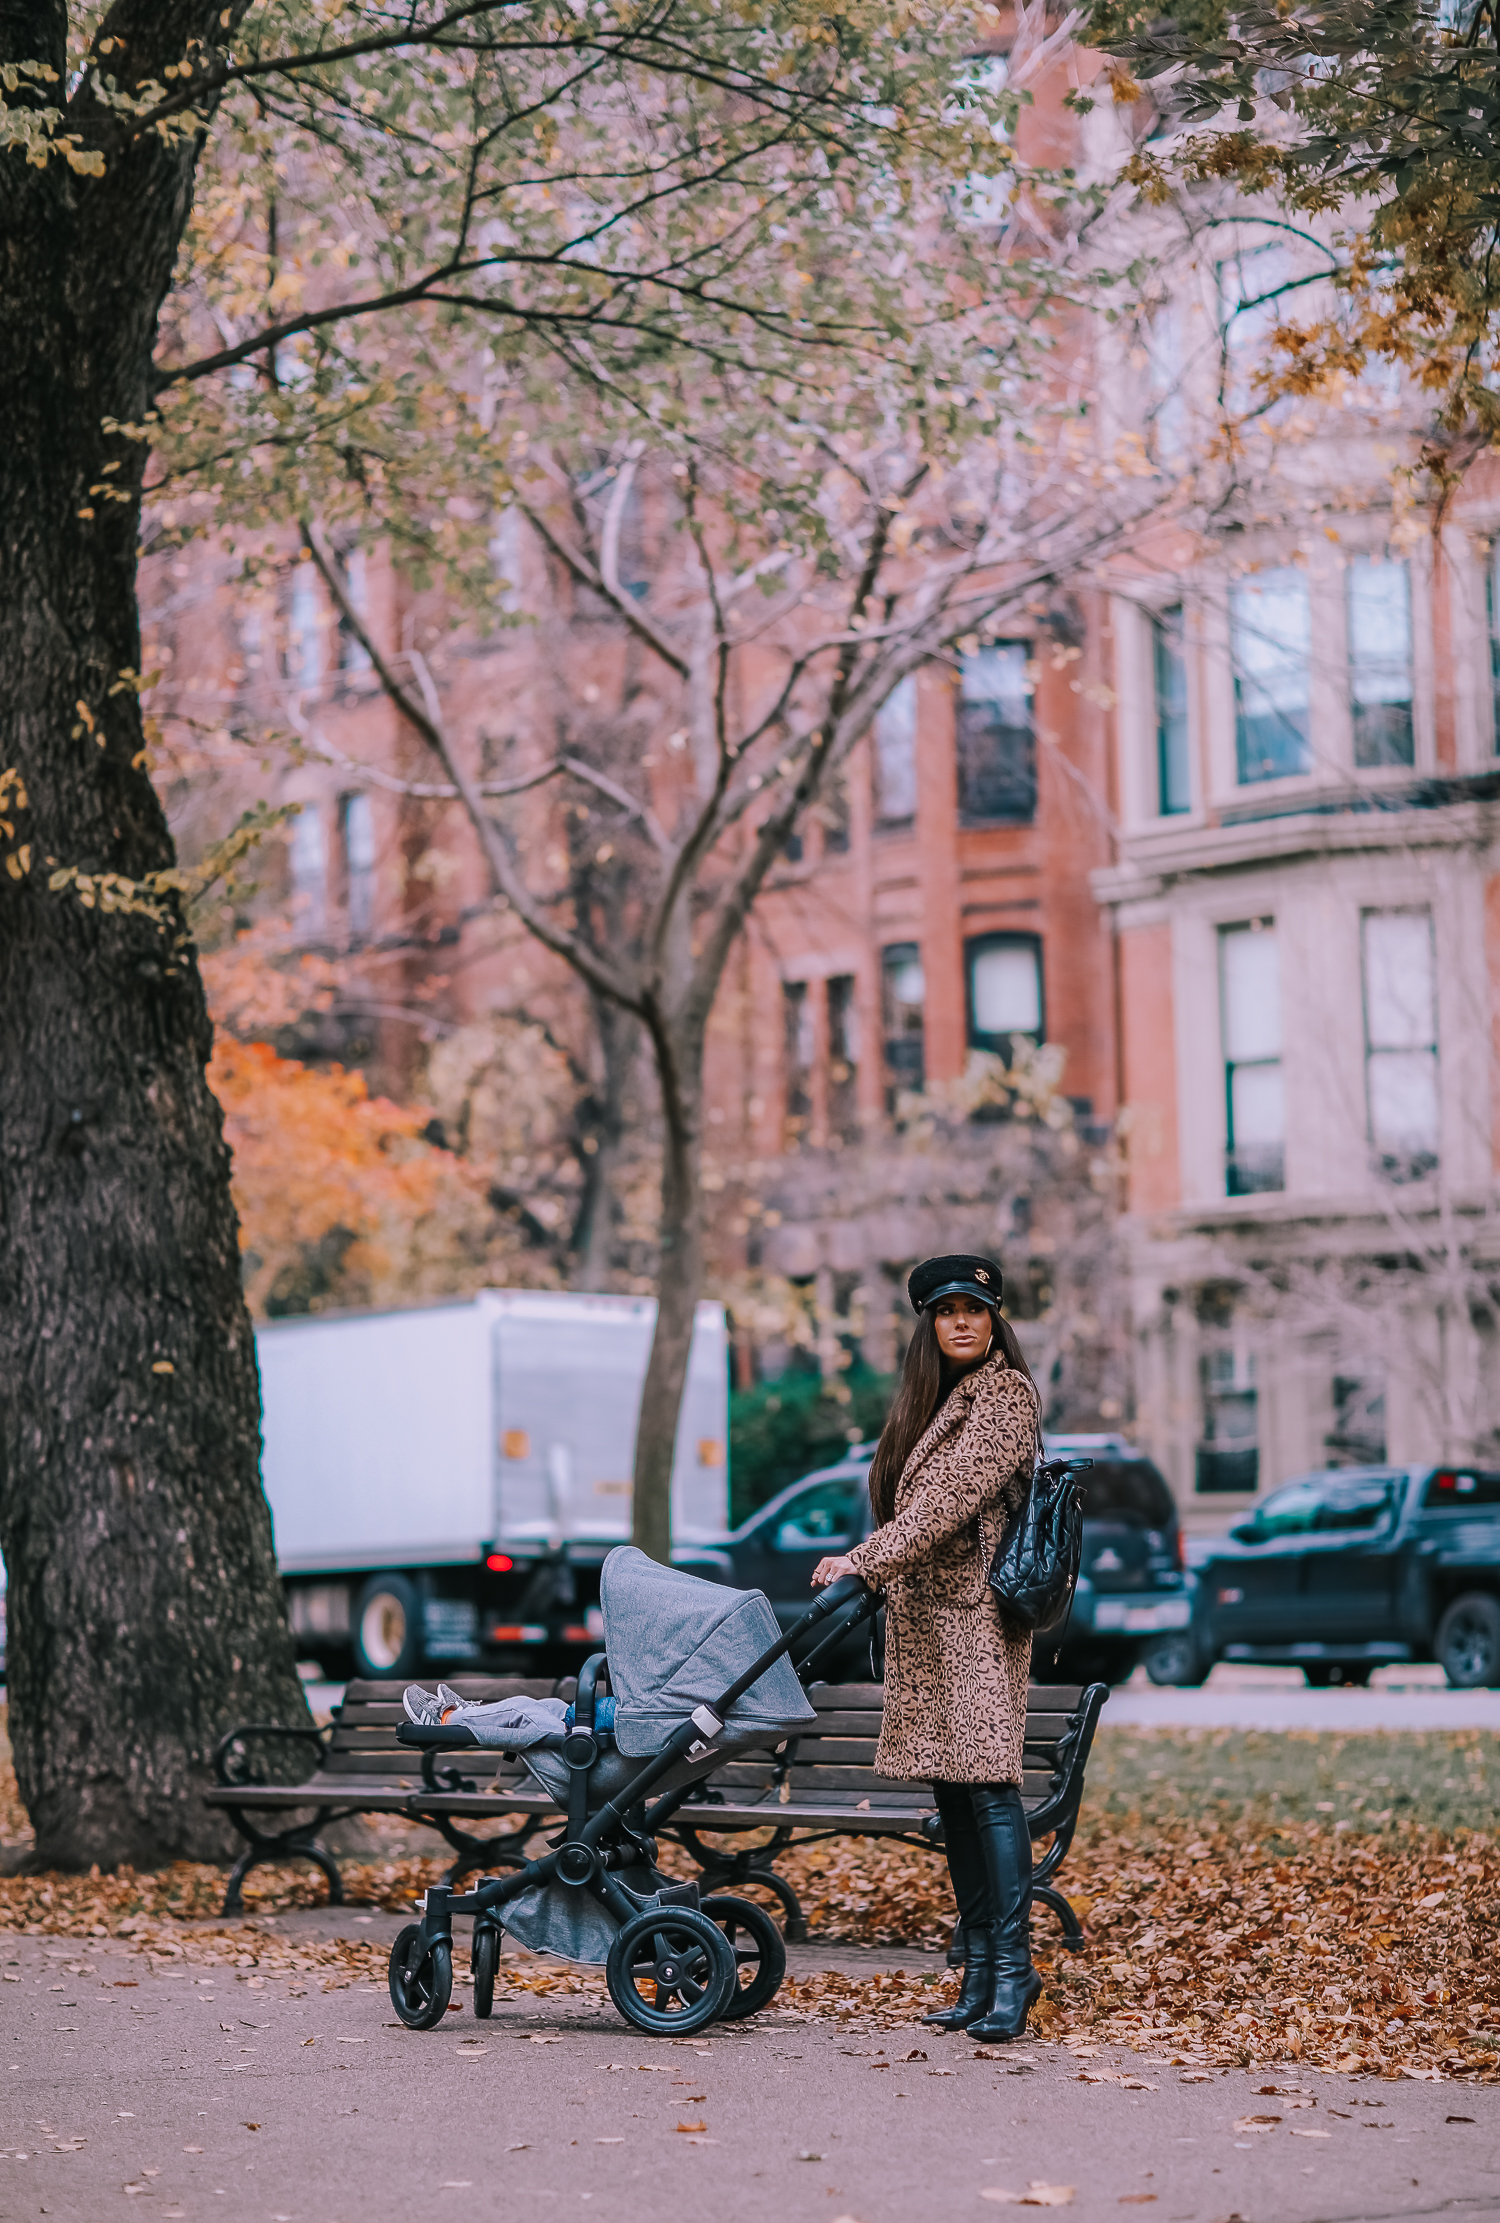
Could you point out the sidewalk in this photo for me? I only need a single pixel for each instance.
(195, 2093)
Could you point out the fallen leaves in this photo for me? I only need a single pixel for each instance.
(1036, 2195)
(1366, 1954)
(1261, 2123)
(690, 2128)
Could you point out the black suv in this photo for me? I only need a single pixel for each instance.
(1132, 1599)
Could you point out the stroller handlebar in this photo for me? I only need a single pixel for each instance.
(842, 1592)
(848, 1590)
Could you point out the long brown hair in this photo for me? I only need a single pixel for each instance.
(926, 1380)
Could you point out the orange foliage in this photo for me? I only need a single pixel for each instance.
(315, 1155)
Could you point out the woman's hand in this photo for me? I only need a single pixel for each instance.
(832, 1570)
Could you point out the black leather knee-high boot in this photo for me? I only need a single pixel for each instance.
(1005, 1841)
(971, 1888)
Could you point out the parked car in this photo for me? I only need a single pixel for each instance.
(1132, 1598)
(1133, 1601)
(777, 1549)
(1353, 1568)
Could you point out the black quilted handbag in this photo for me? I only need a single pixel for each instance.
(1036, 1566)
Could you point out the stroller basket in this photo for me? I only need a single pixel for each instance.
(671, 1963)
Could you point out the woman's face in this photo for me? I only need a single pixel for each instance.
(963, 1327)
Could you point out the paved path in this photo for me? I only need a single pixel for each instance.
(139, 2095)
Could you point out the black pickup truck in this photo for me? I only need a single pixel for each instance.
(1355, 1568)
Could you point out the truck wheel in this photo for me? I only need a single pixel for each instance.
(1174, 1661)
(388, 1628)
(1468, 1642)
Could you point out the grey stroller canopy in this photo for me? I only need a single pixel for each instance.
(675, 1642)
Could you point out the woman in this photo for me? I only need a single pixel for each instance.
(954, 1461)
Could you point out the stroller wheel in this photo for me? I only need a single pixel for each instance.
(420, 1993)
(670, 1969)
(759, 1953)
(483, 1962)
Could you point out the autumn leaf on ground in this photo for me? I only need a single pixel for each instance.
(1036, 2195)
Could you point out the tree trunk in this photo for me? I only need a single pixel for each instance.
(679, 1285)
(145, 1613)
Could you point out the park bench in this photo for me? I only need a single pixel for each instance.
(360, 1767)
(818, 1785)
(823, 1784)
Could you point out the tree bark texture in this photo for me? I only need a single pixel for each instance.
(145, 1614)
(679, 1061)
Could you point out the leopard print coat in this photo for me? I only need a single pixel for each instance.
(955, 1671)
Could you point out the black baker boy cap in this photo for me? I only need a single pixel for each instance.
(964, 1276)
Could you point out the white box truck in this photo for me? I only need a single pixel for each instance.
(445, 1482)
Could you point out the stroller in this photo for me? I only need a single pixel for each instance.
(697, 1673)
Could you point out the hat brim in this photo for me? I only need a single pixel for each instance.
(989, 1297)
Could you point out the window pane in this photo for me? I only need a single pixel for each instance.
(843, 1058)
(1399, 1002)
(1005, 989)
(797, 1039)
(1258, 1107)
(1364, 1505)
(1271, 641)
(1252, 993)
(1290, 1512)
(309, 859)
(1404, 1103)
(359, 861)
(903, 994)
(304, 660)
(996, 738)
(1380, 662)
(896, 753)
(1174, 786)
(353, 655)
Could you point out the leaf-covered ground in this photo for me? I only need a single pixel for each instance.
(1270, 1899)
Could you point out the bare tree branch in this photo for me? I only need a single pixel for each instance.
(425, 719)
(624, 604)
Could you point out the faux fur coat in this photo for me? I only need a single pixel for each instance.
(955, 1671)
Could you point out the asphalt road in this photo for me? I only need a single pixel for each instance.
(1278, 1698)
(186, 2095)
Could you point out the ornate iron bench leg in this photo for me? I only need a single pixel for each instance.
(719, 1871)
(1071, 1927)
(265, 1848)
(480, 1852)
(761, 1872)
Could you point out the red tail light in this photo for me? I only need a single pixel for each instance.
(499, 1563)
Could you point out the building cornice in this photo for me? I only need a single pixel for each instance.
(1151, 862)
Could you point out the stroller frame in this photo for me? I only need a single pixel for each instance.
(691, 1961)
